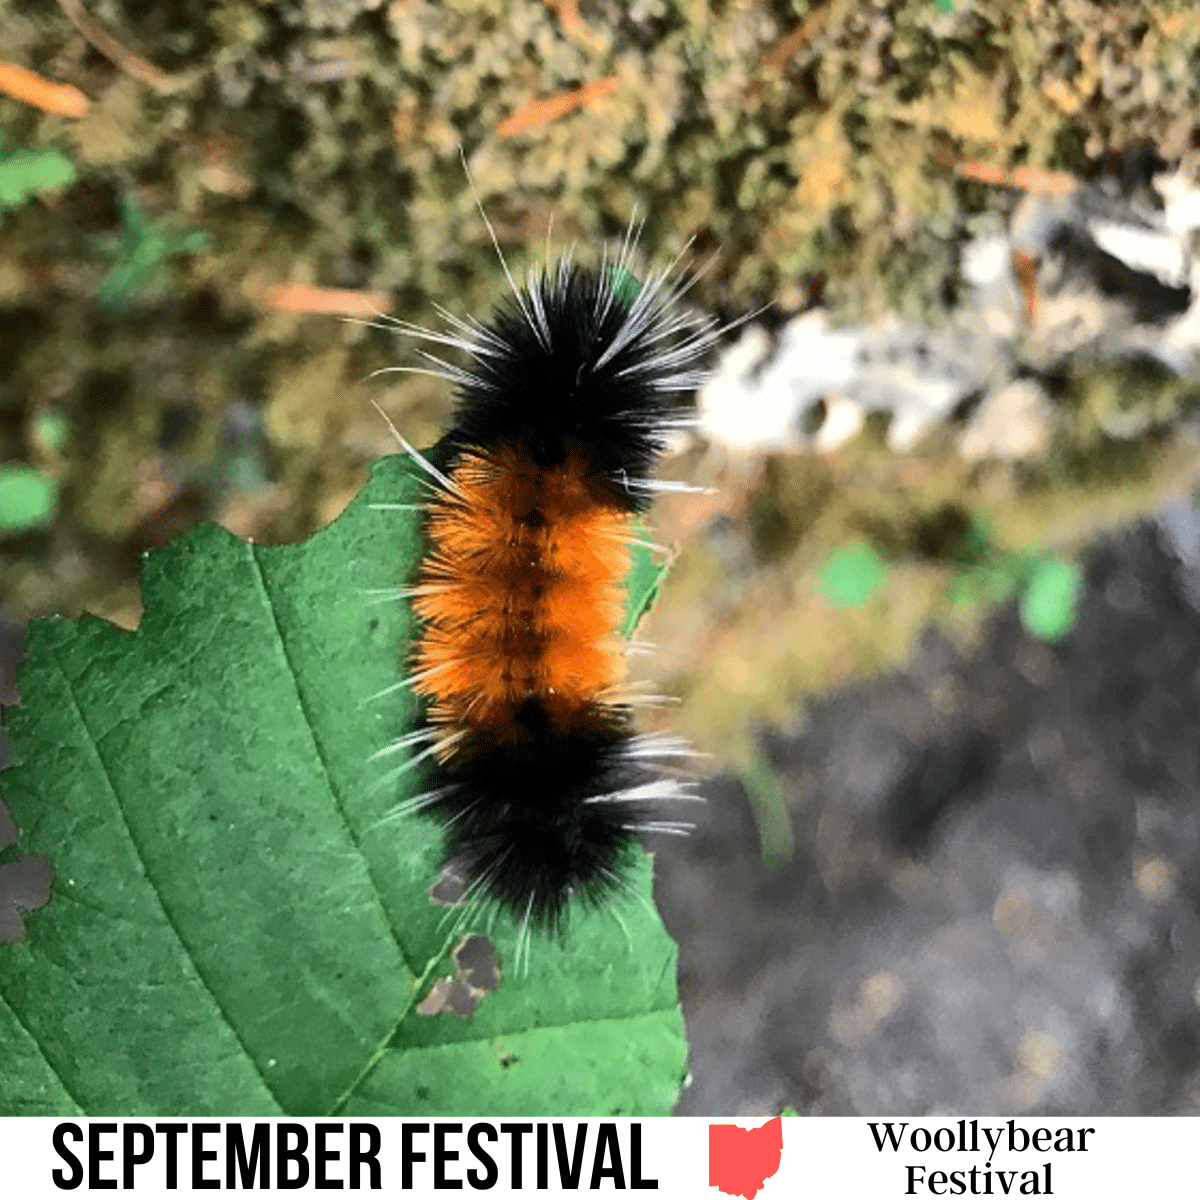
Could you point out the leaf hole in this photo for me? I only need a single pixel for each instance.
(478, 963)
(477, 967)
(448, 890)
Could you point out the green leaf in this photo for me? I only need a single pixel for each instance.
(1048, 605)
(27, 498)
(642, 584)
(625, 284)
(240, 921)
(851, 575)
(28, 173)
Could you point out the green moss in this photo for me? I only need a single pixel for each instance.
(318, 140)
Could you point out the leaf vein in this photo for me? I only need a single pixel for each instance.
(41, 1051)
(320, 753)
(154, 887)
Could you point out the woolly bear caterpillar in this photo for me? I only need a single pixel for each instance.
(539, 778)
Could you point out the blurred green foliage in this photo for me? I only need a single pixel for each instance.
(28, 498)
(141, 254)
(1048, 605)
(28, 173)
(768, 802)
(985, 574)
(852, 575)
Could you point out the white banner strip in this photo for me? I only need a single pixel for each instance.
(882, 1158)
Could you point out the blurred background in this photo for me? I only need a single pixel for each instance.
(936, 622)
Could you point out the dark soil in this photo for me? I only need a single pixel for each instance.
(994, 903)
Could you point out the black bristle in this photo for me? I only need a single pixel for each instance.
(552, 393)
(542, 820)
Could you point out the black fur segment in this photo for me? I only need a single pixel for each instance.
(542, 821)
(553, 390)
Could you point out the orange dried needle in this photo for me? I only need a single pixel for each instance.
(542, 112)
(573, 24)
(1030, 179)
(791, 42)
(338, 302)
(31, 88)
